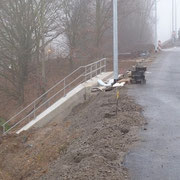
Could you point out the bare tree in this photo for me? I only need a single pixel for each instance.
(85, 23)
(16, 45)
(103, 15)
(26, 28)
(48, 27)
(74, 18)
(135, 21)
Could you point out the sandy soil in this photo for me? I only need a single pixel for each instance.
(89, 144)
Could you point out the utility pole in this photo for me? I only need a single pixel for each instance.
(156, 30)
(115, 39)
(176, 17)
(172, 16)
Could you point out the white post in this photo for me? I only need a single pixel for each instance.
(115, 37)
(156, 28)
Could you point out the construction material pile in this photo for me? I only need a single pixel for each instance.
(134, 76)
(138, 75)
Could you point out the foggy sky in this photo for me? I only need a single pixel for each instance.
(165, 19)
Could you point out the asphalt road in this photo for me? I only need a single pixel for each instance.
(157, 156)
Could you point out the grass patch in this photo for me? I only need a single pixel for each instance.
(2, 121)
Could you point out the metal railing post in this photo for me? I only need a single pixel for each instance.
(4, 129)
(100, 68)
(91, 72)
(96, 69)
(105, 64)
(64, 87)
(85, 72)
(34, 113)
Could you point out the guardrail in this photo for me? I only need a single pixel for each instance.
(30, 112)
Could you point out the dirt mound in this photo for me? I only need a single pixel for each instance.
(99, 151)
(88, 144)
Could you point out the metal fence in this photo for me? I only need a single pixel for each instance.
(30, 112)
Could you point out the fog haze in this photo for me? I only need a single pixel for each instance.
(165, 19)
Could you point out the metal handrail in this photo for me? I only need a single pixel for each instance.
(101, 68)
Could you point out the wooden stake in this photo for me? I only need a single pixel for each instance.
(117, 99)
